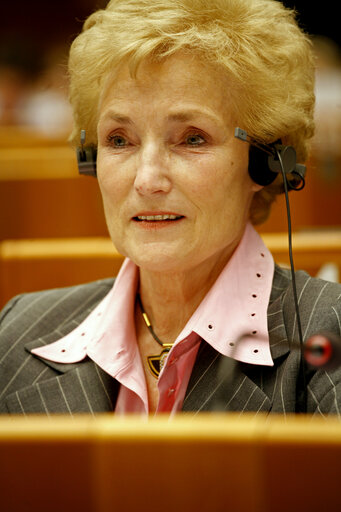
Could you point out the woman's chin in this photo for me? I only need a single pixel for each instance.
(157, 261)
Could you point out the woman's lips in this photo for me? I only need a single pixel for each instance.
(158, 217)
(155, 220)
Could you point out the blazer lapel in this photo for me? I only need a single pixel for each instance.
(218, 383)
(74, 388)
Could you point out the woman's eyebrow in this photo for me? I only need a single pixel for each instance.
(116, 116)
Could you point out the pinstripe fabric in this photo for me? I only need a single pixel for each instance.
(31, 385)
(219, 383)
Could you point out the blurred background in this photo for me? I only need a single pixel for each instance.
(41, 195)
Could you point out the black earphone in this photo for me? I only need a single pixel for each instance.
(266, 160)
(86, 157)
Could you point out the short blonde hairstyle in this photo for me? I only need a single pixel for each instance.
(257, 43)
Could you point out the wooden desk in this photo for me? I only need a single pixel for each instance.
(189, 464)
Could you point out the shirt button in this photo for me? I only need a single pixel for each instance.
(171, 391)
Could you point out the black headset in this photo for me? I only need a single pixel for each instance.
(266, 161)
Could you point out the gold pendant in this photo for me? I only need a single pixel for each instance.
(156, 363)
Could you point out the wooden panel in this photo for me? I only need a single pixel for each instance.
(42, 195)
(37, 163)
(317, 205)
(27, 137)
(311, 249)
(32, 265)
(70, 207)
(212, 462)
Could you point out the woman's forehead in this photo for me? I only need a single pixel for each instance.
(179, 80)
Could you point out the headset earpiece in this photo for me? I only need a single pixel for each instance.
(86, 158)
(259, 168)
(267, 160)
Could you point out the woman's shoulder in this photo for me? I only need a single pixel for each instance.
(50, 308)
(319, 300)
(282, 283)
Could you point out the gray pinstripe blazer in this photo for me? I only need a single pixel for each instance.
(29, 384)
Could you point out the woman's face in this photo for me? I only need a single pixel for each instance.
(173, 177)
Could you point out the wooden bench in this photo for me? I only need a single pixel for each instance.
(15, 136)
(43, 196)
(311, 249)
(30, 265)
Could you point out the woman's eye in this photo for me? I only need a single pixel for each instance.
(117, 141)
(195, 140)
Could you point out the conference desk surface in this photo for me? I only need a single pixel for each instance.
(213, 462)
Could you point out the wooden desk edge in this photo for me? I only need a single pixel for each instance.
(211, 427)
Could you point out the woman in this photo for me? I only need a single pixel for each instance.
(159, 87)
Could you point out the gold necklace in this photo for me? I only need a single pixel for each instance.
(157, 362)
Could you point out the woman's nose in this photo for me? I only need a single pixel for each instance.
(152, 173)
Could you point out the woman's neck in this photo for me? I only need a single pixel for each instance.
(170, 299)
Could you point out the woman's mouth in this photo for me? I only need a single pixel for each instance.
(154, 218)
(157, 220)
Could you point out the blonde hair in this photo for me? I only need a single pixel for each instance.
(257, 43)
